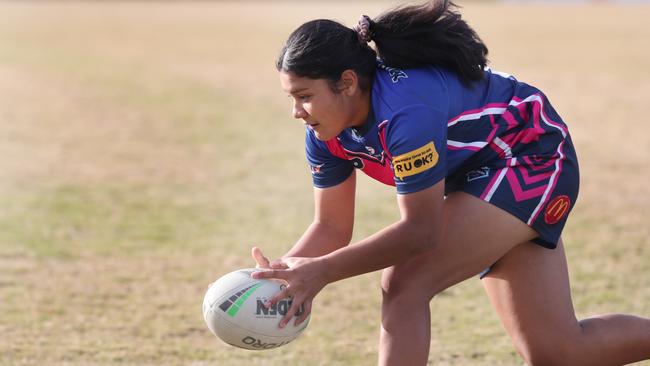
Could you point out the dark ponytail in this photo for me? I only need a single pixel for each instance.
(412, 36)
(430, 34)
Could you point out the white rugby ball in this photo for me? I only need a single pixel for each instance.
(233, 310)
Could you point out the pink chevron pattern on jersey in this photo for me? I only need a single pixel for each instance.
(525, 175)
(528, 179)
(539, 163)
(526, 135)
(538, 101)
(551, 186)
(519, 192)
(476, 114)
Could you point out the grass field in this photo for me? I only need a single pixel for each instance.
(146, 146)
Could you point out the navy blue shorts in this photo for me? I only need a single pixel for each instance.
(540, 193)
(536, 180)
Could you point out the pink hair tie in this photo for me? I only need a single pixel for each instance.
(363, 29)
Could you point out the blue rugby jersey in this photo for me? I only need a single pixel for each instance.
(426, 125)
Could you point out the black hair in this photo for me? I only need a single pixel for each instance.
(432, 33)
(323, 49)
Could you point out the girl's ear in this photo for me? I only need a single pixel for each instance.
(349, 82)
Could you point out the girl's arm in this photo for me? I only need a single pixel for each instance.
(416, 232)
(331, 228)
(333, 221)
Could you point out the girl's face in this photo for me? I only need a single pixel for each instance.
(325, 111)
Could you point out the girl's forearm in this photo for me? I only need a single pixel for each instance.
(395, 243)
(319, 239)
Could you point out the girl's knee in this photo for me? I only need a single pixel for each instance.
(556, 352)
(405, 286)
(545, 358)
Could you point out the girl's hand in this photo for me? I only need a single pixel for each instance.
(263, 262)
(305, 278)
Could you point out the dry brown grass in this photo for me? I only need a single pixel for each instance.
(132, 173)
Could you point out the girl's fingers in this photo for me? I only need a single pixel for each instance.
(295, 306)
(260, 259)
(277, 297)
(270, 273)
(305, 313)
(279, 264)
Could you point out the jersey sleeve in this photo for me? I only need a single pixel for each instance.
(327, 170)
(416, 139)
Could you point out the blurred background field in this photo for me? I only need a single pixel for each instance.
(146, 146)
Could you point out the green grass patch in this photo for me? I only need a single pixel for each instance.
(69, 220)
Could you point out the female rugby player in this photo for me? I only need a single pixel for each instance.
(485, 173)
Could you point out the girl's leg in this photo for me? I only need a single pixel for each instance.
(529, 288)
(476, 235)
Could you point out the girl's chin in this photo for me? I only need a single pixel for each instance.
(323, 137)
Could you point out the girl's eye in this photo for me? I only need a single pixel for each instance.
(304, 98)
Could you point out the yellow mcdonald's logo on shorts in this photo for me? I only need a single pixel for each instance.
(557, 209)
(416, 161)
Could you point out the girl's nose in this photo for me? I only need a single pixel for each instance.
(298, 111)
